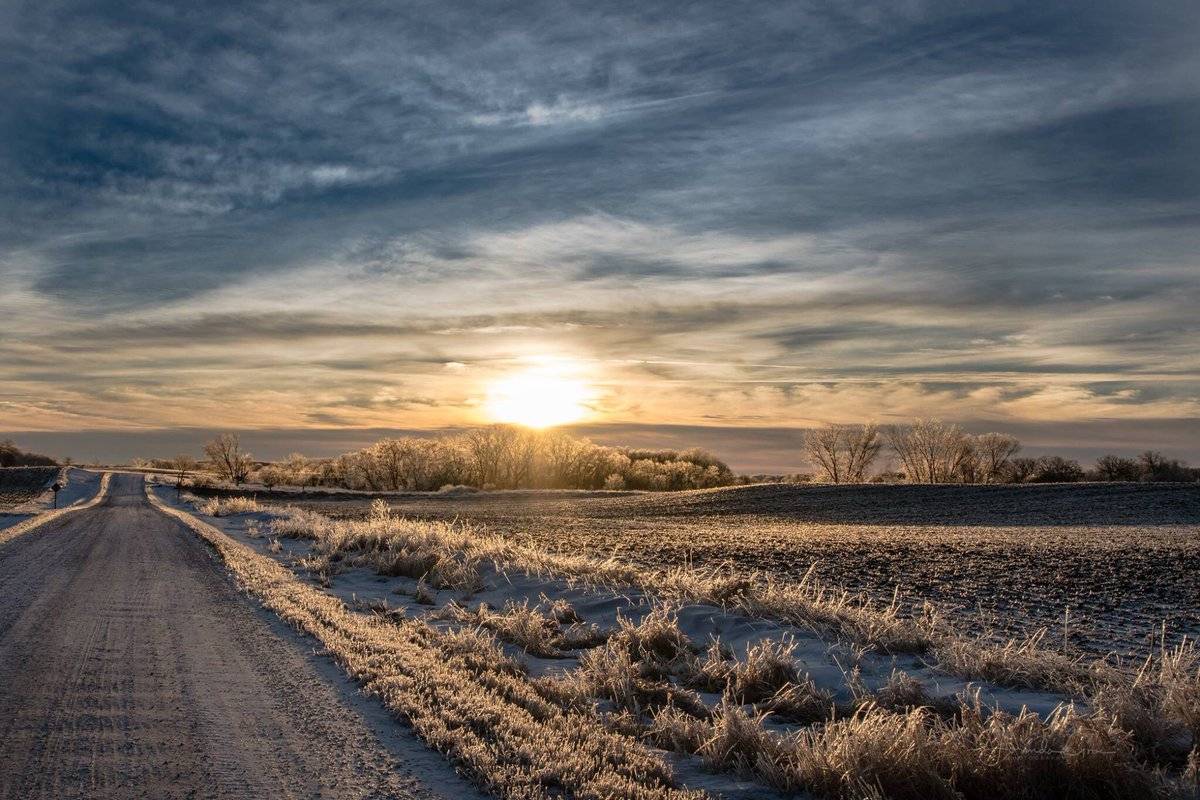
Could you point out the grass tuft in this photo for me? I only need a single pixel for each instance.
(227, 506)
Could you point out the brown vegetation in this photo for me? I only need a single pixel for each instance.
(13, 456)
(896, 741)
(460, 694)
(226, 456)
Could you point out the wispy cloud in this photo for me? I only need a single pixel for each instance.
(738, 215)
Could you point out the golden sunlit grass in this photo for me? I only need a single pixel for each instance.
(1131, 736)
(540, 397)
(460, 694)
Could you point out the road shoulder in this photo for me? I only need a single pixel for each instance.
(24, 525)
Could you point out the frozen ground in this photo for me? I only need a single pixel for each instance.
(131, 666)
(828, 663)
(1120, 557)
(79, 486)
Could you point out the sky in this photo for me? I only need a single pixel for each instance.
(318, 222)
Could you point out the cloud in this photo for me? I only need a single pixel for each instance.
(739, 214)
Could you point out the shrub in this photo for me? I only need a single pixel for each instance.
(1116, 468)
(1056, 469)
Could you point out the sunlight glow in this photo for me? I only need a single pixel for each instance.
(538, 398)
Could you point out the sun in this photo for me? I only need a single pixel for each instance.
(537, 398)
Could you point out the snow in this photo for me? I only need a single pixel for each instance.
(79, 486)
(826, 661)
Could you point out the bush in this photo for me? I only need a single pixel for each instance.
(1116, 468)
(1154, 467)
(1056, 469)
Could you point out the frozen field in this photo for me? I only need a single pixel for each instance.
(1121, 557)
(736, 688)
(19, 485)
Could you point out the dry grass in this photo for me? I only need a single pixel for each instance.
(768, 667)
(807, 604)
(460, 694)
(1161, 706)
(1158, 703)
(1020, 663)
(534, 630)
(903, 693)
(227, 506)
(631, 667)
(452, 554)
(401, 546)
(649, 668)
(561, 610)
(877, 753)
(894, 742)
(767, 677)
(1112, 553)
(656, 642)
(610, 673)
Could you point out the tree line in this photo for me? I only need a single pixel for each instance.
(13, 456)
(492, 457)
(512, 457)
(931, 451)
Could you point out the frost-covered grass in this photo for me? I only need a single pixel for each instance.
(535, 630)
(914, 755)
(1121, 557)
(224, 506)
(462, 695)
(450, 554)
(759, 713)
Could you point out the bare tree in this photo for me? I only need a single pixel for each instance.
(1154, 466)
(485, 451)
(823, 446)
(965, 463)
(930, 450)
(523, 446)
(1116, 468)
(227, 457)
(843, 453)
(1056, 469)
(501, 456)
(562, 458)
(390, 457)
(183, 465)
(1022, 470)
(994, 450)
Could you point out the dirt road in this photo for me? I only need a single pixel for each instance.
(130, 666)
